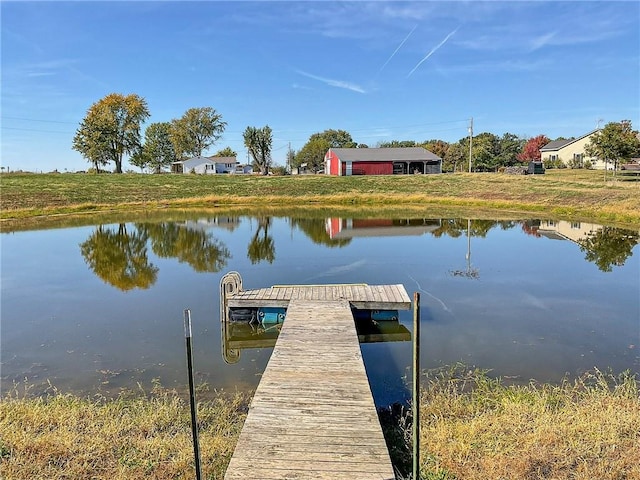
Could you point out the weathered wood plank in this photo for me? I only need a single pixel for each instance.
(313, 415)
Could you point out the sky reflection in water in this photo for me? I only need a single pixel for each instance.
(100, 308)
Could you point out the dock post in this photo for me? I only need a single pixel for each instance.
(416, 386)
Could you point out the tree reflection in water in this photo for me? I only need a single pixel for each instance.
(261, 246)
(196, 247)
(119, 257)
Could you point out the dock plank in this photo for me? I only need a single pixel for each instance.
(313, 415)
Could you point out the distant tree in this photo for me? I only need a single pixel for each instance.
(312, 153)
(195, 131)
(531, 150)
(157, 152)
(226, 152)
(336, 138)
(111, 129)
(363, 145)
(397, 144)
(437, 147)
(485, 151)
(616, 142)
(457, 154)
(509, 147)
(258, 141)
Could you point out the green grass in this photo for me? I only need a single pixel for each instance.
(560, 193)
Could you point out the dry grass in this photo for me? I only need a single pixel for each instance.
(61, 436)
(474, 427)
(559, 193)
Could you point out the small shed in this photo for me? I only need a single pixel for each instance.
(381, 161)
(535, 168)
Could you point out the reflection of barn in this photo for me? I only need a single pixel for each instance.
(381, 161)
(367, 227)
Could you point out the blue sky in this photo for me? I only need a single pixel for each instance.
(380, 70)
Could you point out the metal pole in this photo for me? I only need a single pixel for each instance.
(416, 386)
(192, 395)
(470, 141)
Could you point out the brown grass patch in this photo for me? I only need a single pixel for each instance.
(475, 427)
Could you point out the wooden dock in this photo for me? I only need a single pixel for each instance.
(313, 415)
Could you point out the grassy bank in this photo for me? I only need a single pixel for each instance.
(472, 427)
(581, 194)
(135, 436)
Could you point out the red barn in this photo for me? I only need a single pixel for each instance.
(381, 161)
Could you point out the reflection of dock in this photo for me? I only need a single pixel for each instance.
(313, 414)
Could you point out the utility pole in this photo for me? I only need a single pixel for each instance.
(470, 141)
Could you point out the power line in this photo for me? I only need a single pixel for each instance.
(37, 120)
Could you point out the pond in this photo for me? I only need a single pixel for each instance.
(99, 308)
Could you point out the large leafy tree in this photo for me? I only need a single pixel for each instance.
(226, 152)
(312, 153)
(397, 144)
(509, 147)
(157, 151)
(456, 156)
(111, 129)
(531, 150)
(616, 142)
(485, 150)
(437, 147)
(258, 141)
(197, 130)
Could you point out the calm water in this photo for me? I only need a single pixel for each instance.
(99, 308)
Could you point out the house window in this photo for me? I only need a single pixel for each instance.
(575, 225)
(228, 165)
(553, 157)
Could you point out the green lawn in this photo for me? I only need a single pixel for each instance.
(559, 193)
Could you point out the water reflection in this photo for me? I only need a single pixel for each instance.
(119, 257)
(546, 297)
(118, 254)
(262, 246)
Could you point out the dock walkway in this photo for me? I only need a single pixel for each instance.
(313, 415)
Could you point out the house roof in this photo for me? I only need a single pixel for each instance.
(209, 160)
(384, 154)
(558, 144)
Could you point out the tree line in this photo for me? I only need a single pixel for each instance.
(111, 129)
(488, 152)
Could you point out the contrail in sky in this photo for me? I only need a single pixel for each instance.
(396, 51)
(433, 50)
(335, 83)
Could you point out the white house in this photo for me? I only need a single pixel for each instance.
(210, 166)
